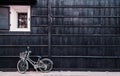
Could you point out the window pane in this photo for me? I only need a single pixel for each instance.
(22, 20)
(4, 18)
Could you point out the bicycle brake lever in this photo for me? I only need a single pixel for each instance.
(29, 51)
(25, 51)
(28, 48)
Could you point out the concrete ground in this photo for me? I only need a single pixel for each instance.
(61, 73)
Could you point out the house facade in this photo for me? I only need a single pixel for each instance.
(75, 34)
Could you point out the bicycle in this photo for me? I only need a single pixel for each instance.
(44, 65)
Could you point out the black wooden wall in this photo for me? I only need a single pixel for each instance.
(75, 34)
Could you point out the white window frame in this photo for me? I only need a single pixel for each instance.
(14, 10)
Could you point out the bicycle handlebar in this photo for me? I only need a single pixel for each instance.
(27, 51)
(28, 48)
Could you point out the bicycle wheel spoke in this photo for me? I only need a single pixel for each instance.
(22, 66)
(47, 65)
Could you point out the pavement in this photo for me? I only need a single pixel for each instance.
(61, 73)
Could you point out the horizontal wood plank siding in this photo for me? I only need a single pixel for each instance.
(76, 34)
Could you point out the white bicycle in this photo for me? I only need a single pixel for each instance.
(44, 65)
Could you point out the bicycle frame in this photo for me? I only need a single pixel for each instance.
(39, 64)
(31, 61)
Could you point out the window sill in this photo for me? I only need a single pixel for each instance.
(20, 30)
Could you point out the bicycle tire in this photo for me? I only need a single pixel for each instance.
(45, 62)
(22, 66)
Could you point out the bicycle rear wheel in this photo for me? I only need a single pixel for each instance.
(22, 66)
(46, 65)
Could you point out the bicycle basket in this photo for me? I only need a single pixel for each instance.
(23, 55)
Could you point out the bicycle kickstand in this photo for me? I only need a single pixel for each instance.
(36, 69)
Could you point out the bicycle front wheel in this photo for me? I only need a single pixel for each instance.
(22, 66)
(46, 65)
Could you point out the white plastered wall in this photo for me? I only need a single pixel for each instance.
(14, 17)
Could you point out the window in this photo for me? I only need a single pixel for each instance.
(4, 18)
(15, 18)
(20, 18)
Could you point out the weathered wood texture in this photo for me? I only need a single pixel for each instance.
(79, 34)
